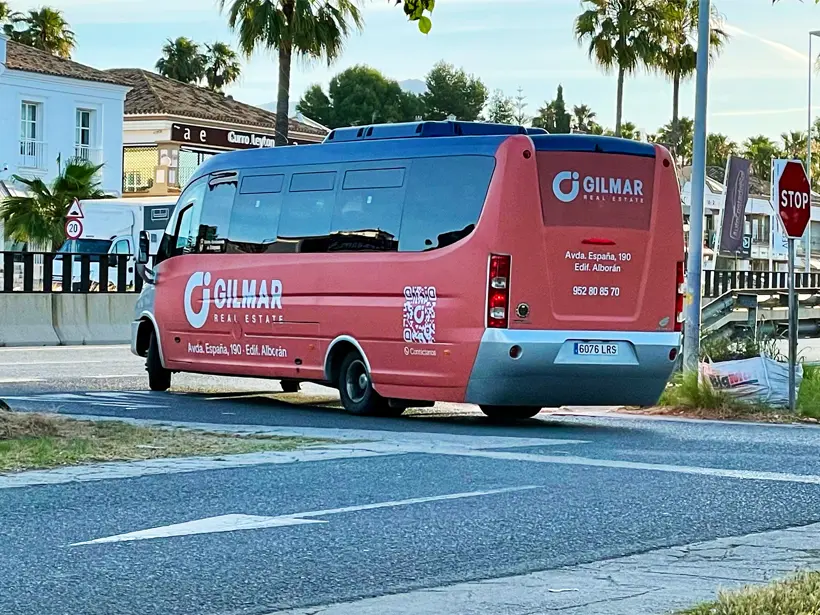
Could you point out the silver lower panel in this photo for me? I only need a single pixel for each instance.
(548, 374)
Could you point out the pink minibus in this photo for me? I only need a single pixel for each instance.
(435, 261)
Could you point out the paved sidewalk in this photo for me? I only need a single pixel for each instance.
(651, 583)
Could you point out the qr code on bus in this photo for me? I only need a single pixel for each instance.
(420, 314)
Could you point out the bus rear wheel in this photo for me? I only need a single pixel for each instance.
(356, 388)
(510, 413)
(159, 378)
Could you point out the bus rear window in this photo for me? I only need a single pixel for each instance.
(596, 190)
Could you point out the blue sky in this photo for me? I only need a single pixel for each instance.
(758, 85)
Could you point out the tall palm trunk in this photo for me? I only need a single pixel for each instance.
(676, 111)
(620, 104)
(283, 97)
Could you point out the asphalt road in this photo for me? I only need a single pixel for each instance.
(485, 501)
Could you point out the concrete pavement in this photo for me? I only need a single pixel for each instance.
(440, 511)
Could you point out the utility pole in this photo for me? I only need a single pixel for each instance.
(691, 327)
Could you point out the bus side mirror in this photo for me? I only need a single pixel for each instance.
(143, 249)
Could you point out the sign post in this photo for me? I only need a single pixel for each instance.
(794, 208)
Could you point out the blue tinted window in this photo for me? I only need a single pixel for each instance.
(374, 178)
(305, 182)
(444, 200)
(254, 222)
(260, 184)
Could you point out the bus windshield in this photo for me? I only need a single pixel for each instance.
(86, 246)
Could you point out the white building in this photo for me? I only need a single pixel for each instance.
(769, 248)
(53, 109)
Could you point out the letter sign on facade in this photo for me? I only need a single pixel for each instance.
(794, 199)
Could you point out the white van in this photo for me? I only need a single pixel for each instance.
(112, 226)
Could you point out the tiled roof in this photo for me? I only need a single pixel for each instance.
(154, 94)
(31, 60)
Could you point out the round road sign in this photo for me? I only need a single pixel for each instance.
(73, 228)
(794, 198)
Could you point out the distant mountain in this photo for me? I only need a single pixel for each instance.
(271, 106)
(416, 86)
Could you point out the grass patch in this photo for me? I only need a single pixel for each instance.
(808, 397)
(799, 595)
(686, 391)
(34, 441)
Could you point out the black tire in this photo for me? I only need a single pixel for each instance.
(356, 389)
(510, 413)
(159, 378)
(290, 386)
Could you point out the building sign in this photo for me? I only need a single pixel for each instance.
(219, 137)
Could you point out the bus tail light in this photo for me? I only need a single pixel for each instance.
(680, 290)
(498, 292)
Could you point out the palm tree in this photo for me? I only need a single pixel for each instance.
(794, 144)
(182, 60)
(222, 66)
(44, 29)
(718, 149)
(678, 54)
(583, 118)
(628, 131)
(685, 136)
(310, 29)
(620, 35)
(760, 150)
(40, 216)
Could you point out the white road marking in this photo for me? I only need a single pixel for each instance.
(810, 479)
(230, 523)
(212, 525)
(104, 399)
(19, 380)
(66, 362)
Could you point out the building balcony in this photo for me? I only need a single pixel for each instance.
(94, 155)
(33, 154)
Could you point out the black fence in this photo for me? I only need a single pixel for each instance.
(49, 272)
(716, 283)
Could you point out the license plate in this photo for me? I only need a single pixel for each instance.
(596, 349)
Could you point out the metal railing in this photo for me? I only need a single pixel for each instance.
(33, 154)
(90, 154)
(717, 283)
(34, 272)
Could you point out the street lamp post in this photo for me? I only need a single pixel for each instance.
(812, 33)
(691, 342)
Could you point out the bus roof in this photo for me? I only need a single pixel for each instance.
(388, 148)
(326, 153)
(592, 143)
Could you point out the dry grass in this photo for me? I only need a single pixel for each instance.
(797, 596)
(29, 441)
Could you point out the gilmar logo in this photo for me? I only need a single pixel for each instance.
(568, 185)
(225, 295)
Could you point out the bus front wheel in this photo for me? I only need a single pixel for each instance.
(510, 413)
(159, 378)
(356, 388)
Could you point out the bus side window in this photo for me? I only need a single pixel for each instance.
(368, 211)
(445, 197)
(255, 215)
(178, 233)
(306, 211)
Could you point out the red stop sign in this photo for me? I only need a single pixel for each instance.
(794, 198)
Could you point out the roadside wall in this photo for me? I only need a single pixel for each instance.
(33, 319)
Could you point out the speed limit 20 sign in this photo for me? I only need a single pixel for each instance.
(73, 228)
(793, 198)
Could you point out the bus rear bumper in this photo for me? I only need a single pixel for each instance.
(548, 373)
